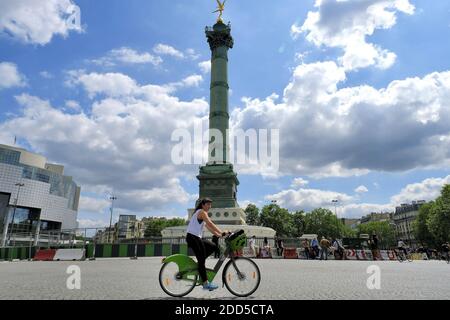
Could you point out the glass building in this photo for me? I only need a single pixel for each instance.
(35, 196)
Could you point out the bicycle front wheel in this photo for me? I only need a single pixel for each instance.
(173, 283)
(242, 277)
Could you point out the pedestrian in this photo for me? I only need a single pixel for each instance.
(315, 248)
(265, 250)
(253, 247)
(337, 250)
(280, 247)
(324, 245)
(305, 245)
(374, 248)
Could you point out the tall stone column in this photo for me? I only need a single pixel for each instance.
(217, 178)
(220, 40)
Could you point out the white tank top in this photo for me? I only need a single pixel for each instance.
(194, 227)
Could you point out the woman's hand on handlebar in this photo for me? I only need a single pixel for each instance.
(226, 233)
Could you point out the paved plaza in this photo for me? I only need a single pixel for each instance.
(281, 279)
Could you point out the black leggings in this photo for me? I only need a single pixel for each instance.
(202, 249)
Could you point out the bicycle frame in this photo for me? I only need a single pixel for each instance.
(188, 267)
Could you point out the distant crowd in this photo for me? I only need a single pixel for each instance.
(313, 249)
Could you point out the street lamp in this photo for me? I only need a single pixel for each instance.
(335, 202)
(19, 185)
(112, 198)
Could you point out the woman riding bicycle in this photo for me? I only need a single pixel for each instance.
(201, 247)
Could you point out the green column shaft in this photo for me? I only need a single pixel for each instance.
(219, 116)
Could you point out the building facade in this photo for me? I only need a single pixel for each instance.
(129, 227)
(352, 223)
(377, 217)
(36, 194)
(404, 217)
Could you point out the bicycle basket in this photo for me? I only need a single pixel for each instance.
(237, 241)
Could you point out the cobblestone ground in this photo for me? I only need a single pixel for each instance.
(281, 279)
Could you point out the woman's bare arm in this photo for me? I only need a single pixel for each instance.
(209, 224)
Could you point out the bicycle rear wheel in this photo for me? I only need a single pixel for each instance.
(173, 283)
(244, 280)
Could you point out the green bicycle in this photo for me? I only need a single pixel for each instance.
(179, 273)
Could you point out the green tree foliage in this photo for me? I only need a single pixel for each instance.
(155, 225)
(383, 229)
(277, 218)
(323, 222)
(252, 215)
(299, 223)
(420, 226)
(432, 225)
(438, 221)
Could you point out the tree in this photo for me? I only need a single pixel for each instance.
(252, 215)
(438, 221)
(420, 226)
(155, 225)
(323, 222)
(298, 221)
(383, 229)
(277, 218)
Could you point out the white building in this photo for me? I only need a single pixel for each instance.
(37, 193)
(404, 217)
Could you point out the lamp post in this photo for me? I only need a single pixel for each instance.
(19, 185)
(335, 202)
(112, 198)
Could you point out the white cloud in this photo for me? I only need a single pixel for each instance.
(37, 22)
(357, 210)
(326, 131)
(89, 223)
(308, 199)
(346, 24)
(73, 105)
(192, 80)
(128, 56)
(428, 189)
(10, 76)
(205, 66)
(192, 54)
(361, 189)
(46, 75)
(110, 84)
(299, 182)
(164, 49)
(126, 133)
(93, 205)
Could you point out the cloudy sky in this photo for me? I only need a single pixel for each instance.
(359, 89)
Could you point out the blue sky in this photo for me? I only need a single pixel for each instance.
(362, 98)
